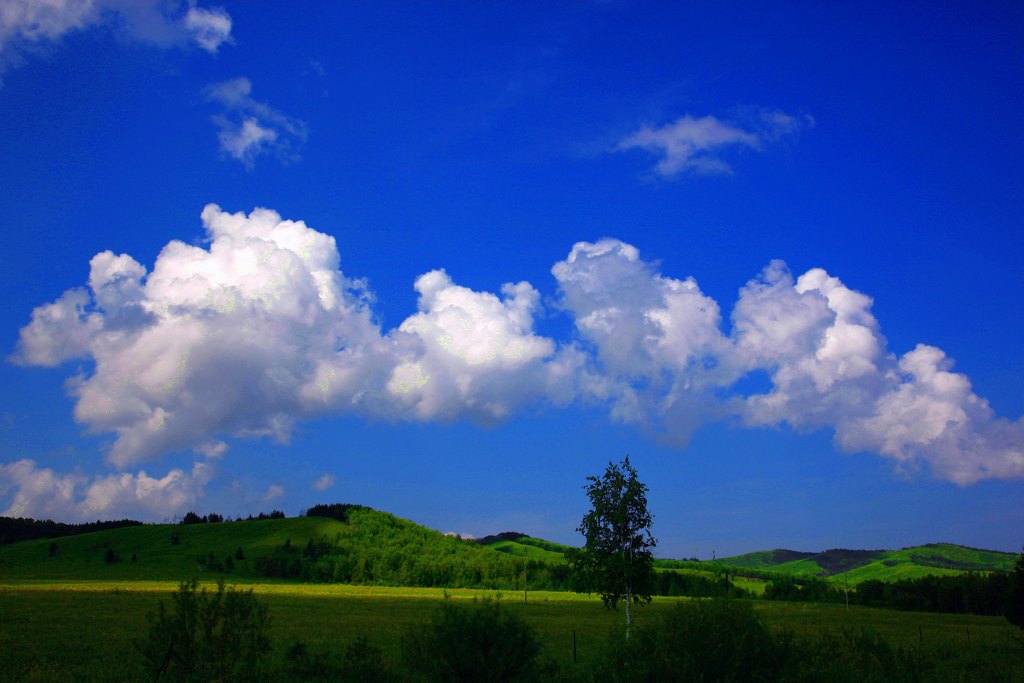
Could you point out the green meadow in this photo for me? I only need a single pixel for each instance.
(72, 607)
(84, 630)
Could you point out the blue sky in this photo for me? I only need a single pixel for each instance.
(448, 261)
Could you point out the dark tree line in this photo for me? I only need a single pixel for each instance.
(214, 518)
(991, 594)
(15, 529)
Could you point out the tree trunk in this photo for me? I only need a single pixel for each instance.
(629, 605)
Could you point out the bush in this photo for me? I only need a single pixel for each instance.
(206, 636)
(706, 640)
(476, 643)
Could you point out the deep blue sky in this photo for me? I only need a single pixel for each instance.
(880, 142)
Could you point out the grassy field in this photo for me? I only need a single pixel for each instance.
(83, 630)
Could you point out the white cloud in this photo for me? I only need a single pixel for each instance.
(695, 145)
(42, 493)
(209, 28)
(656, 342)
(248, 129)
(212, 449)
(29, 25)
(323, 483)
(261, 329)
(273, 492)
(470, 353)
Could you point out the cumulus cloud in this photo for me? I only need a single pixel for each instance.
(27, 26)
(42, 493)
(260, 328)
(695, 145)
(248, 129)
(323, 483)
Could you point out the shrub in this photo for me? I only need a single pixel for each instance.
(360, 662)
(110, 556)
(476, 643)
(206, 636)
(53, 549)
(706, 640)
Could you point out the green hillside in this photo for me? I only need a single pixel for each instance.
(157, 557)
(370, 547)
(521, 545)
(854, 566)
(766, 559)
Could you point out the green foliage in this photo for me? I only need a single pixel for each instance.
(378, 548)
(807, 590)
(706, 640)
(360, 662)
(206, 637)
(192, 518)
(338, 511)
(958, 594)
(616, 561)
(678, 583)
(726, 640)
(1013, 610)
(479, 643)
(16, 529)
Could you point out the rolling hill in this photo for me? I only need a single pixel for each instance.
(887, 565)
(371, 547)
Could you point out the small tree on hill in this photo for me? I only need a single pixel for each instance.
(616, 561)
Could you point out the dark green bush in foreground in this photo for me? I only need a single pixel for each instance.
(705, 640)
(726, 640)
(476, 643)
(361, 662)
(207, 636)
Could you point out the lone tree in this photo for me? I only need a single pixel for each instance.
(616, 560)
